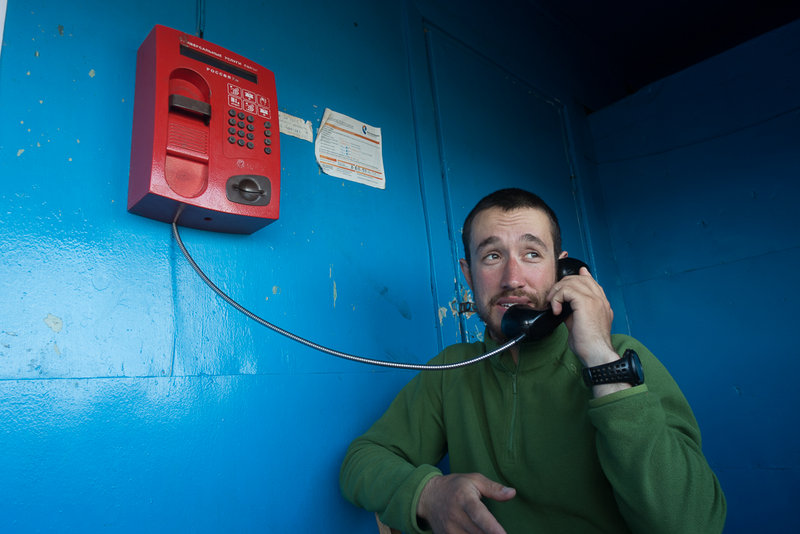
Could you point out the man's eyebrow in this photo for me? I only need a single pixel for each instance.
(527, 238)
(534, 239)
(486, 242)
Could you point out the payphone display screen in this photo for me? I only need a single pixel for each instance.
(218, 63)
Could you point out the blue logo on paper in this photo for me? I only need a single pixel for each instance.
(364, 129)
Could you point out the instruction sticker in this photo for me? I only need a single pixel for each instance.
(350, 149)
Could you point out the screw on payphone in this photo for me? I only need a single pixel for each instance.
(203, 136)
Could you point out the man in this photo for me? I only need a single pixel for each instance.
(532, 448)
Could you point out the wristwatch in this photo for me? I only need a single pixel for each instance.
(627, 369)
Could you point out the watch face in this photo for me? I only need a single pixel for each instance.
(636, 366)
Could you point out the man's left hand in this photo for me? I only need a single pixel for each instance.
(590, 323)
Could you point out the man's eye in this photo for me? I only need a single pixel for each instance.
(532, 255)
(491, 257)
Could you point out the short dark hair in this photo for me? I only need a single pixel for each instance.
(507, 200)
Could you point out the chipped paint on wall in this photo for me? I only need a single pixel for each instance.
(454, 306)
(478, 333)
(335, 293)
(54, 323)
(276, 290)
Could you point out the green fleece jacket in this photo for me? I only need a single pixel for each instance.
(627, 462)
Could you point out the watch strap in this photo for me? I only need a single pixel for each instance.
(627, 369)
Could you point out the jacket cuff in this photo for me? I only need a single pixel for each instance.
(402, 509)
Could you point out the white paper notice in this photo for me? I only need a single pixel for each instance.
(3, 6)
(349, 149)
(295, 126)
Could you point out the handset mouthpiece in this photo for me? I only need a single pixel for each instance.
(535, 324)
(517, 320)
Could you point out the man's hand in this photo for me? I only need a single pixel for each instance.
(590, 323)
(451, 504)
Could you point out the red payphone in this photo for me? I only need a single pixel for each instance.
(205, 136)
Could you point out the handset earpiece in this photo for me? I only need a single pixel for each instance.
(569, 266)
(538, 324)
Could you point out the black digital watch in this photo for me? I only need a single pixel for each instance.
(627, 369)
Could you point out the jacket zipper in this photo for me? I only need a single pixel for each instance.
(514, 402)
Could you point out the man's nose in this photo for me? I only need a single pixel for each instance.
(512, 275)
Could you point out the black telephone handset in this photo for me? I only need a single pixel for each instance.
(538, 324)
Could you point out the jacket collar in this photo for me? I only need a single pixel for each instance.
(532, 354)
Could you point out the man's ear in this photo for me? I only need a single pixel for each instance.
(563, 254)
(465, 271)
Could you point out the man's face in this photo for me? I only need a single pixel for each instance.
(513, 262)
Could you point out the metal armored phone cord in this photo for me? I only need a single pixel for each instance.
(311, 344)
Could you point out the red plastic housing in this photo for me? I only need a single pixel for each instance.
(205, 136)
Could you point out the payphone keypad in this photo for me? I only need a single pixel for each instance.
(241, 131)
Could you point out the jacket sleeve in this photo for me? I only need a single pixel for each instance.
(649, 446)
(385, 470)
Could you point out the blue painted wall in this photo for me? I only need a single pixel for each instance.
(132, 398)
(699, 176)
